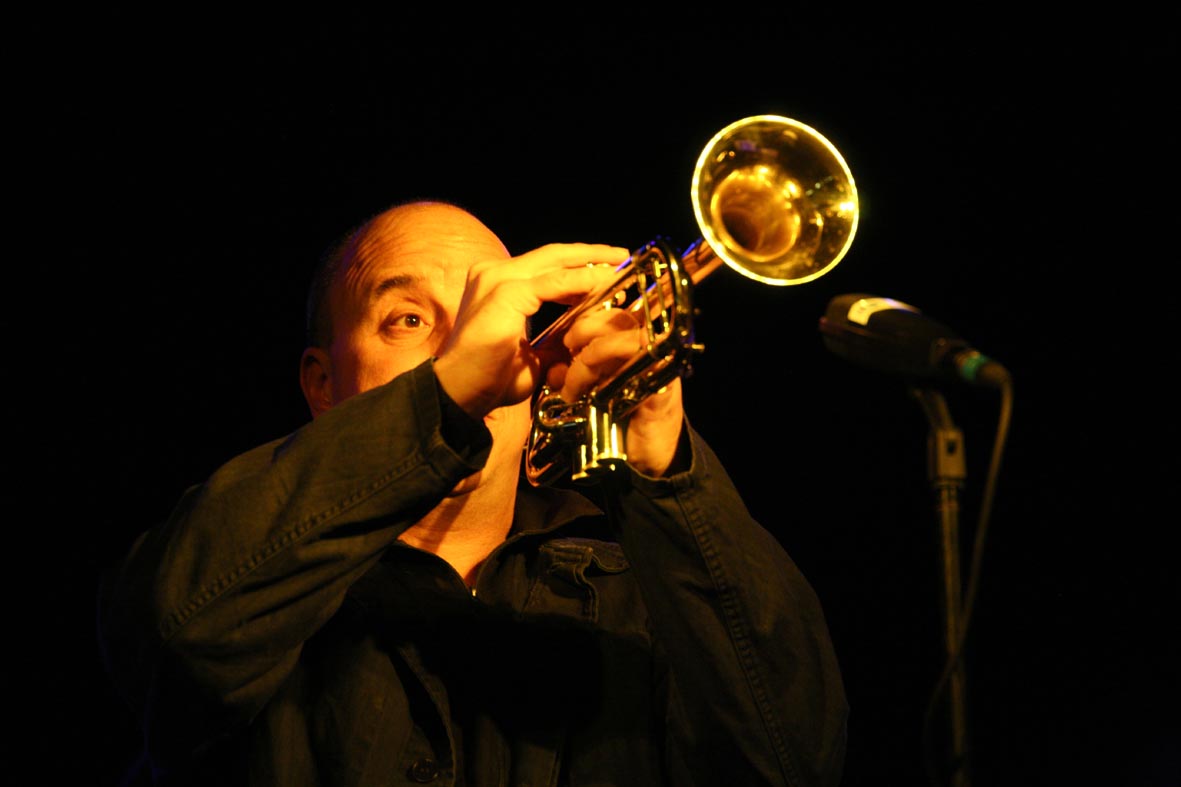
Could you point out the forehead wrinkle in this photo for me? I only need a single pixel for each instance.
(418, 243)
(380, 265)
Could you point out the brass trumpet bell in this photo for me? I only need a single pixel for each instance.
(775, 200)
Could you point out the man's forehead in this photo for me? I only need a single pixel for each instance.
(432, 245)
(368, 280)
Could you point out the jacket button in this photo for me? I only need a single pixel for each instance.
(423, 770)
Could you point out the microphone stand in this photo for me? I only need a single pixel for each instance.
(946, 470)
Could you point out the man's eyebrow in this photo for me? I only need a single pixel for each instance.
(394, 282)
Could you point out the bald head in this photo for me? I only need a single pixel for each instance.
(400, 226)
(385, 298)
(384, 301)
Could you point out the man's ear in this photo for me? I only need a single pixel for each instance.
(315, 378)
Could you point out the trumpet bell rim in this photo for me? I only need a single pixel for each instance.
(775, 200)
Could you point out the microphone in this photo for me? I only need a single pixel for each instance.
(890, 336)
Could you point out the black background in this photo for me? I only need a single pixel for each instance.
(1015, 183)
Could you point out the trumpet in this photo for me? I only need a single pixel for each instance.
(775, 201)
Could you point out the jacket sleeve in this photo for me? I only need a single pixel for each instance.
(205, 616)
(756, 695)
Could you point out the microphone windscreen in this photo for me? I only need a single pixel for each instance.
(887, 335)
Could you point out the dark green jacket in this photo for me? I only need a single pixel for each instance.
(274, 630)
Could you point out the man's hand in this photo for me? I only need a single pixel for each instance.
(600, 343)
(487, 361)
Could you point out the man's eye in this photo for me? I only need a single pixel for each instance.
(405, 322)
